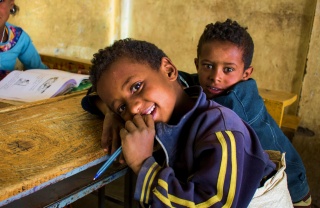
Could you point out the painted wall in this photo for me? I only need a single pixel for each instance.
(71, 28)
(309, 108)
(281, 30)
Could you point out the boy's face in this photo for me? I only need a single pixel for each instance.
(130, 88)
(220, 66)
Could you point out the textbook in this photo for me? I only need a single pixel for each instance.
(38, 84)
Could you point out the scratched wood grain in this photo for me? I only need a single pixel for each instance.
(41, 141)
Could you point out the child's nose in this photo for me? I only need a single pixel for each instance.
(134, 106)
(216, 75)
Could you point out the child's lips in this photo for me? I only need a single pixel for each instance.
(214, 90)
(150, 110)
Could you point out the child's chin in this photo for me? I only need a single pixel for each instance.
(211, 96)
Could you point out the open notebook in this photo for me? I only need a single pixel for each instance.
(39, 84)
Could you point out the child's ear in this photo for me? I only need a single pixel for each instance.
(169, 69)
(196, 63)
(247, 73)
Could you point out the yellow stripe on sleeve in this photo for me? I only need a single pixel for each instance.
(145, 181)
(162, 198)
(150, 182)
(222, 173)
(220, 183)
(233, 180)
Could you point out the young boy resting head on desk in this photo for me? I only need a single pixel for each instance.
(208, 157)
(223, 63)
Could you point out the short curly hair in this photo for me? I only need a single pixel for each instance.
(136, 50)
(229, 31)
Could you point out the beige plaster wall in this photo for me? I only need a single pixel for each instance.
(71, 28)
(309, 108)
(281, 30)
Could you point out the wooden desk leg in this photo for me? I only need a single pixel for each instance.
(101, 198)
(129, 186)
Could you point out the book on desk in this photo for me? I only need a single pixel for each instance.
(38, 84)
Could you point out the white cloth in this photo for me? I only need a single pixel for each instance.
(274, 192)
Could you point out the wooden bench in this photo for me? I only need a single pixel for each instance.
(76, 65)
(275, 102)
(290, 122)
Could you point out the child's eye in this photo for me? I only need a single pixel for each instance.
(228, 69)
(208, 66)
(121, 109)
(136, 87)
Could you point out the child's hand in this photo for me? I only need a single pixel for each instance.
(137, 140)
(110, 139)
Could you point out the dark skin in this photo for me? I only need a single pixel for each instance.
(157, 93)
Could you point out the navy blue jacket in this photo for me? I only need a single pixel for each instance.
(212, 159)
(244, 99)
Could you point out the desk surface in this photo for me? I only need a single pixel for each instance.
(6, 103)
(44, 142)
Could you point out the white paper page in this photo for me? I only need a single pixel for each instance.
(77, 77)
(21, 86)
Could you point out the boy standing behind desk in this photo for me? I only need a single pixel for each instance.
(208, 156)
(223, 63)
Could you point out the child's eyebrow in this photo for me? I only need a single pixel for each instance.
(230, 63)
(205, 61)
(126, 82)
(122, 87)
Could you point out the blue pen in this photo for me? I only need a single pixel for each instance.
(108, 163)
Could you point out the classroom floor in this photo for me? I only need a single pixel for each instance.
(307, 146)
(309, 150)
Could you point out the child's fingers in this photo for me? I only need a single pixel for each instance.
(116, 142)
(121, 159)
(136, 123)
(130, 126)
(106, 141)
(123, 133)
(139, 121)
(148, 120)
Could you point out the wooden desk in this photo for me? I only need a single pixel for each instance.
(276, 101)
(45, 142)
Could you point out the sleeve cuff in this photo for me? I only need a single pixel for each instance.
(146, 180)
(88, 104)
